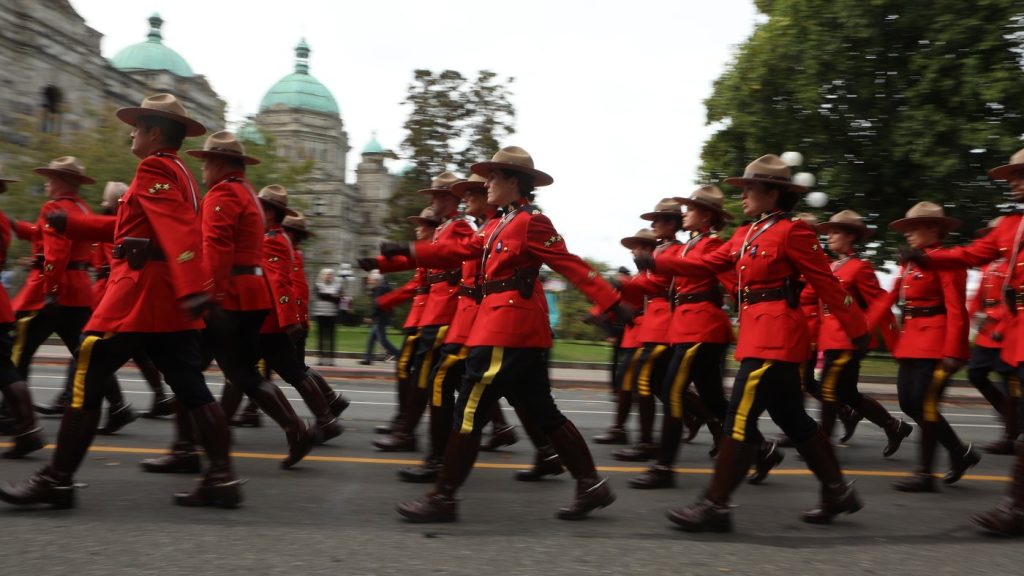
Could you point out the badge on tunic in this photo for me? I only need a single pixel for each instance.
(158, 187)
(848, 301)
(553, 240)
(186, 256)
(283, 300)
(497, 247)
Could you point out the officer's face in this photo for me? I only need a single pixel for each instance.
(840, 241)
(424, 232)
(1017, 185)
(476, 203)
(56, 186)
(213, 167)
(696, 218)
(757, 199)
(145, 141)
(501, 190)
(665, 226)
(921, 237)
(642, 250)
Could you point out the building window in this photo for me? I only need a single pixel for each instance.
(52, 101)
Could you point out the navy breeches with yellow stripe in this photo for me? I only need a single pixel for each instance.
(446, 374)
(176, 355)
(33, 328)
(773, 386)
(701, 363)
(425, 354)
(8, 374)
(921, 384)
(839, 377)
(520, 375)
(651, 367)
(625, 373)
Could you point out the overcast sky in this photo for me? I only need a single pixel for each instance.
(609, 94)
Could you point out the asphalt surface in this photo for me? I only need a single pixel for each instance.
(334, 513)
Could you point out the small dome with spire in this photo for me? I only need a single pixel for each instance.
(299, 89)
(152, 54)
(250, 134)
(373, 146)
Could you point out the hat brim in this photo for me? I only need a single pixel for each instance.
(739, 181)
(904, 224)
(650, 216)
(722, 212)
(862, 231)
(432, 191)
(421, 221)
(1005, 171)
(203, 154)
(288, 211)
(461, 189)
(632, 242)
(82, 179)
(131, 115)
(485, 168)
(6, 179)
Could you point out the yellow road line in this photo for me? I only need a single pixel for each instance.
(511, 466)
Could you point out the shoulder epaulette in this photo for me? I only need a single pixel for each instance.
(270, 233)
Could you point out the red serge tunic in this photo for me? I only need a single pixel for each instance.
(6, 313)
(301, 286)
(161, 204)
(99, 230)
(416, 288)
(859, 280)
(698, 315)
(654, 289)
(442, 280)
(467, 308)
(989, 301)
(929, 337)
(520, 243)
(66, 261)
(233, 230)
(30, 297)
(764, 254)
(809, 306)
(278, 260)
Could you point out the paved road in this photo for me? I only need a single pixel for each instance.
(334, 513)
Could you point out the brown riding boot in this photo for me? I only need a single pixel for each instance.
(837, 497)
(27, 435)
(219, 487)
(441, 418)
(502, 433)
(300, 437)
(52, 485)
(829, 413)
(850, 419)
(546, 461)
(768, 457)
(661, 474)
(439, 505)
(1007, 519)
(592, 491)
(163, 405)
(230, 400)
(646, 449)
(712, 512)
(402, 437)
(616, 434)
(327, 426)
(695, 415)
(961, 457)
(249, 417)
(118, 416)
(895, 430)
(922, 480)
(1007, 444)
(183, 457)
(335, 401)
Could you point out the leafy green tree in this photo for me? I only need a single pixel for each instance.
(573, 307)
(890, 102)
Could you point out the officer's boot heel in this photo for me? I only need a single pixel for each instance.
(592, 491)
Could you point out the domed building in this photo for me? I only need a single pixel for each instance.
(54, 77)
(304, 122)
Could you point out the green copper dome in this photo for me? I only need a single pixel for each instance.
(152, 54)
(299, 89)
(373, 146)
(249, 134)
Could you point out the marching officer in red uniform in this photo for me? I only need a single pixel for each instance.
(630, 346)
(932, 344)
(988, 305)
(17, 397)
(841, 372)
(511, 336)
(442, 302)
(157, 291)
(1004, 242)
(769, 256)
(699, 333)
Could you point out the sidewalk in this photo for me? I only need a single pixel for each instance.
(563, 375)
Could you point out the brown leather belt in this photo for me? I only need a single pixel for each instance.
(990, 303)
(103, 272)
(421, 290)
(471, 291)
(693, 297)
(922, 311)
(762, 295)
(78, 265)
(153, 252)
(496, 286)
(452, 277)
(246, 271)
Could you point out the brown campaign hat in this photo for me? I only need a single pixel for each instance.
(925, 213)
(427, 217)
(463, 187)
(164, 106)
(768, 169)
(224, 144)
(113, 192)
(664, 207)
(443, 183)
(297, 223)
(643, 237)
(66, 167)
(277, 196)
(1005, 171)
(515, 159)
(847, 221)
(707, 197)
(992, 225)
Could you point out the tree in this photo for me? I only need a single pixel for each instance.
(573, 307)
(452, 124)
(890, 102)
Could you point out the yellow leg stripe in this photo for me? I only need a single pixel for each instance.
(20, 337)
(402, 366)
(478, 390)
(436, 397)
(627, 378)
(84, 356)
(1014, 386)
(828, 386)
(931, 398)
(681, 380)
(261, 367)
(739, 426)
(643, 382)
(428, 359)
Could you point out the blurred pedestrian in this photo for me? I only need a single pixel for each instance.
(325, 310)
(379, 319)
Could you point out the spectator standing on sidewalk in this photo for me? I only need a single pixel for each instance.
(379, 319)
(325, 310)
